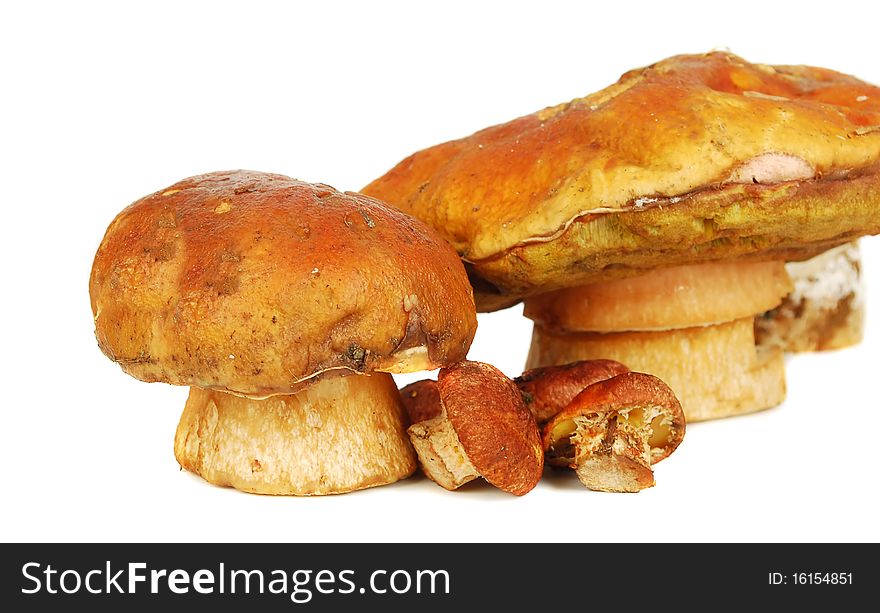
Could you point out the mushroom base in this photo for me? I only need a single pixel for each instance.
(340, 434)
(716, 371)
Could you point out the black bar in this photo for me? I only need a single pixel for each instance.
(564, 577)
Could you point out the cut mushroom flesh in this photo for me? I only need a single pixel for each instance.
(441, 454)
(613, 448)
(646, 429)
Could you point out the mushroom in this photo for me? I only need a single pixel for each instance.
(284, 306)
(477, 426)
(655, 238)
(614, 430)
(421, 400)
(549, 389)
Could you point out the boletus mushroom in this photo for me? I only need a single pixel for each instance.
(549, 389)
(284, 306)
(614, 430)
(602, 217)
(475, 425)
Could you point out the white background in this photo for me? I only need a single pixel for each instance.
(104, 103)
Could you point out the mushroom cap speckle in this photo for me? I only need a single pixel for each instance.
(254, 283)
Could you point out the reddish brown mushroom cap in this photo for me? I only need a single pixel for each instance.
(548, 390)
(628, 392)
(496, 431)
(421, 400)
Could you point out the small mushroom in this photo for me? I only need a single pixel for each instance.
(421, 400)
(480, 428)
(548, 390)
(614, 430)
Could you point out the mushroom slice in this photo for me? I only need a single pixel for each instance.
(481, 428)
(549, 389)
(665, 298)
(614, 430)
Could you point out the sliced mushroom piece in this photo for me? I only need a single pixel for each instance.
(481, 428)
(668, 298)
(549, 389)
(614, 430)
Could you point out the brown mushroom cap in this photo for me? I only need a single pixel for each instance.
(421, 400)
(496, 431)
(629, 392)
(252, 283)
(734, 160)
(549, 389)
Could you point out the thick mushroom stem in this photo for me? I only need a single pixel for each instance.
(716, 371)
(693, 326)
(664, 299)
(340, 434)
(441, 453)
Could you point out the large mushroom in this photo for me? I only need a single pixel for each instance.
(284, 306)
(698, 175)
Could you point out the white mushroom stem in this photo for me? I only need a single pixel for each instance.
(692, 326)
(440, 452)
(337, 435)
